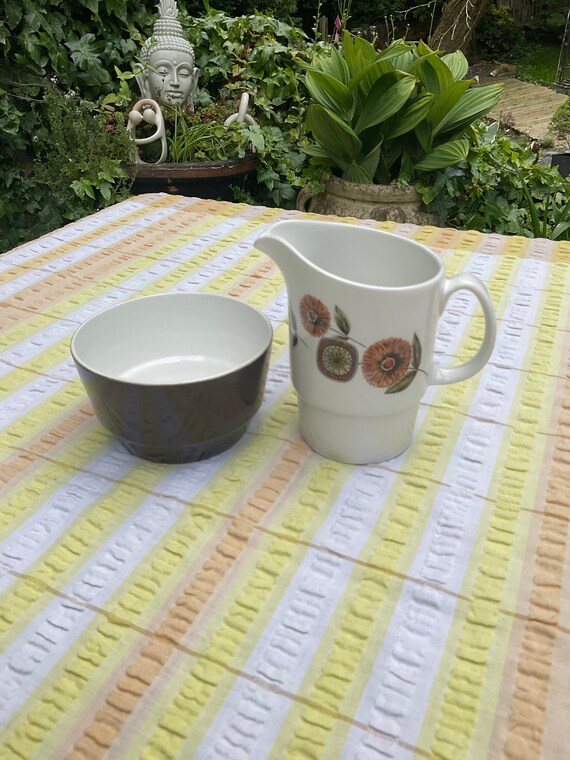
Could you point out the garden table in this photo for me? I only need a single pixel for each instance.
(269, 603)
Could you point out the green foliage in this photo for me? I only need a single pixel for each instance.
(259, 55)
(280, 9)
(43, 40)
(379, 117)
(202, 136)
(55, 39)
(539, 64)
(499, 188)
(499, 36)
(81, 165)
(560, 122)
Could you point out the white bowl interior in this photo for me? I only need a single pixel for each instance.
(171, 338)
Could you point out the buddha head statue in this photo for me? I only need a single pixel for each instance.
(168, 74)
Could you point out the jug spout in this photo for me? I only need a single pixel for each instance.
(274, 243)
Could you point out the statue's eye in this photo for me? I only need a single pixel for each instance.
(184, 72)
(163, 71)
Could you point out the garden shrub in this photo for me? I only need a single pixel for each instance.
(279, 9)
(44, 42)
(488, 191)
(260, 55)
(560, 122)
(499, 36)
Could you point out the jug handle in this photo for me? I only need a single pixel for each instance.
(304, 196)
(441, 376)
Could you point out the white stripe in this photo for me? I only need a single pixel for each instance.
(38, 648)
(409, 656)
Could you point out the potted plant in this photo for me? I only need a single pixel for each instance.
(382, 119)
(205, 156)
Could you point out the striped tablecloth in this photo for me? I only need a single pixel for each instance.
(269, 603)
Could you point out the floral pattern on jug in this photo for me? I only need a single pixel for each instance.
(390, 363)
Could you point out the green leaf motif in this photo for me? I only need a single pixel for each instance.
(402, 384)
(416, 352)
(342, 321)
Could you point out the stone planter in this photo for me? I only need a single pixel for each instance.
(205, 179)
(379, 202)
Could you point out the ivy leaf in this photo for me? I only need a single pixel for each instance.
(416, 352)
(341, 320)
(402, 384)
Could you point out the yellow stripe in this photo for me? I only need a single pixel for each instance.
(562, 252)
(359, 624)
(18, 502)
(147, 475)
(230, 636)
(456, 708)
(36, 261)
(117, 278)
(152, 583)
(178, 712)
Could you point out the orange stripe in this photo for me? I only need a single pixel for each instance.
(57, 435)
(139, 675)
(530, 699)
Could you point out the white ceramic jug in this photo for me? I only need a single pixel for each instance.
(363, 311)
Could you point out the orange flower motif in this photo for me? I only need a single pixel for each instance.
(315, 316)
(386, 361)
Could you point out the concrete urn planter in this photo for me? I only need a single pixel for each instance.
(379, 202)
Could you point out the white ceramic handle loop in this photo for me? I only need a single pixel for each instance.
(441, 376)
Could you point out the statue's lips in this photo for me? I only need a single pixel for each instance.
(174, 95)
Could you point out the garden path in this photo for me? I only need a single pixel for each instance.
(526, 107)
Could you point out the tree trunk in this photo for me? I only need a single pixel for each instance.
(457, 25)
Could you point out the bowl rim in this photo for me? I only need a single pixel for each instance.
(145, 384)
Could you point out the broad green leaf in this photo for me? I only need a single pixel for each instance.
(404, 61)
(424, 136)
(559, 230)
(330, 93)
(395, 49)
(457, 63)
(444, 102)
(370, 162)
(357, 52)
(445, 155)
(317, 151)
(385, 99)
(473, 105)
(434, 74)
(367, 77)
(338, 68)
(333, 134)
(367, 74)
(410, 116)
(357, 173)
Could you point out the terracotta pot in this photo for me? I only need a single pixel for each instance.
(379, 202)
(204, 179)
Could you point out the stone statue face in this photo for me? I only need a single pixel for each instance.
(171, 77)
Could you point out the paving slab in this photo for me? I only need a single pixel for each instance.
(526, 107)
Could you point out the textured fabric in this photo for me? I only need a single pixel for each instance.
(269, 603)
